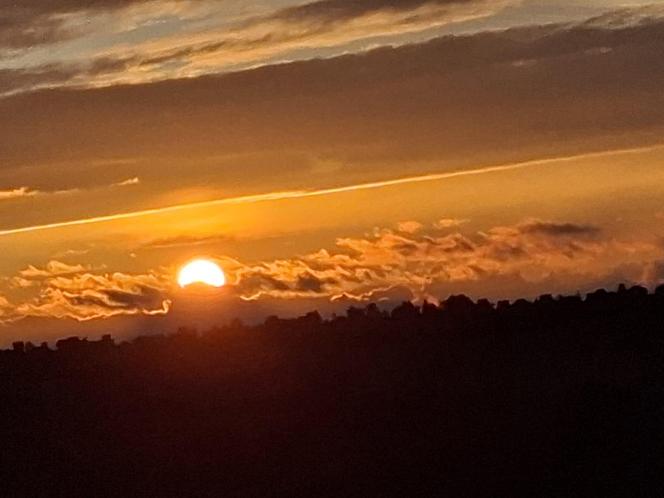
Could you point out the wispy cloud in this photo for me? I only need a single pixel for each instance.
(211, 43)
(31, 23)
(17, 193)
(22, 192)
(220, 46)
(128, 182)
(323, 23)
(82, 293)
(303, 194)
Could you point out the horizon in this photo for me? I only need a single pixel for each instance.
(387, 311)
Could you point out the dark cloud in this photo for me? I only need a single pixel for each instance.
(260, 280)
(308, 282)
(458, 100)
(185, 241)
(558, 229)
(143, 297)
(620, 18)
(331, 11)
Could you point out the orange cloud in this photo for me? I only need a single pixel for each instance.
(422, 262)
(444, 223)
(385, 264)
(17, 193)
(60, 290)
(410, 227)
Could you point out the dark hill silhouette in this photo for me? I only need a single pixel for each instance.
(563, 396)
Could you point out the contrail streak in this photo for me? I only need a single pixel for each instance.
(301, 194)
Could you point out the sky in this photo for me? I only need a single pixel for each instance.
(325, 154)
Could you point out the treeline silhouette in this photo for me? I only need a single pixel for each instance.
(563, 396)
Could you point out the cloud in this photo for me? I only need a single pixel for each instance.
(409, 227)
(304, 194)
(653, 273)
(225, 45)
(5, 307)
(53, 75)
(30, 23)
(39, 7)
(185, 241)
(406, 95)
(16, 193)
(77, 292)
(221, 46)
(321, 24)
(428, 263)
(71, 252)
(557, 229)
(626, 17)
(276, 36)
(128, 182)
(24, 27)
(52, 269)
(445, 223)
(384, 265)
(330, 12)
(23, 192)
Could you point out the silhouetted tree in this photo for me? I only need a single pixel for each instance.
(561, 396)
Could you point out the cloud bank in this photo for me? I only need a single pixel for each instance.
(429, 260)
(457, 101)
(413, 261)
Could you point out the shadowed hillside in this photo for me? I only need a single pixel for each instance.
(560, 397)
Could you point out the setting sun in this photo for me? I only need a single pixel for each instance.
(201, 271)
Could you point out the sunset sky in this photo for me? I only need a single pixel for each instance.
(324, 154)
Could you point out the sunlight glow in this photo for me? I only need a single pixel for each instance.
(201, 271)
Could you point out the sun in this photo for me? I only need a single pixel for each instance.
(201, 271)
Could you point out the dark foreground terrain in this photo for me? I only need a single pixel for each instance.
(561, 397)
